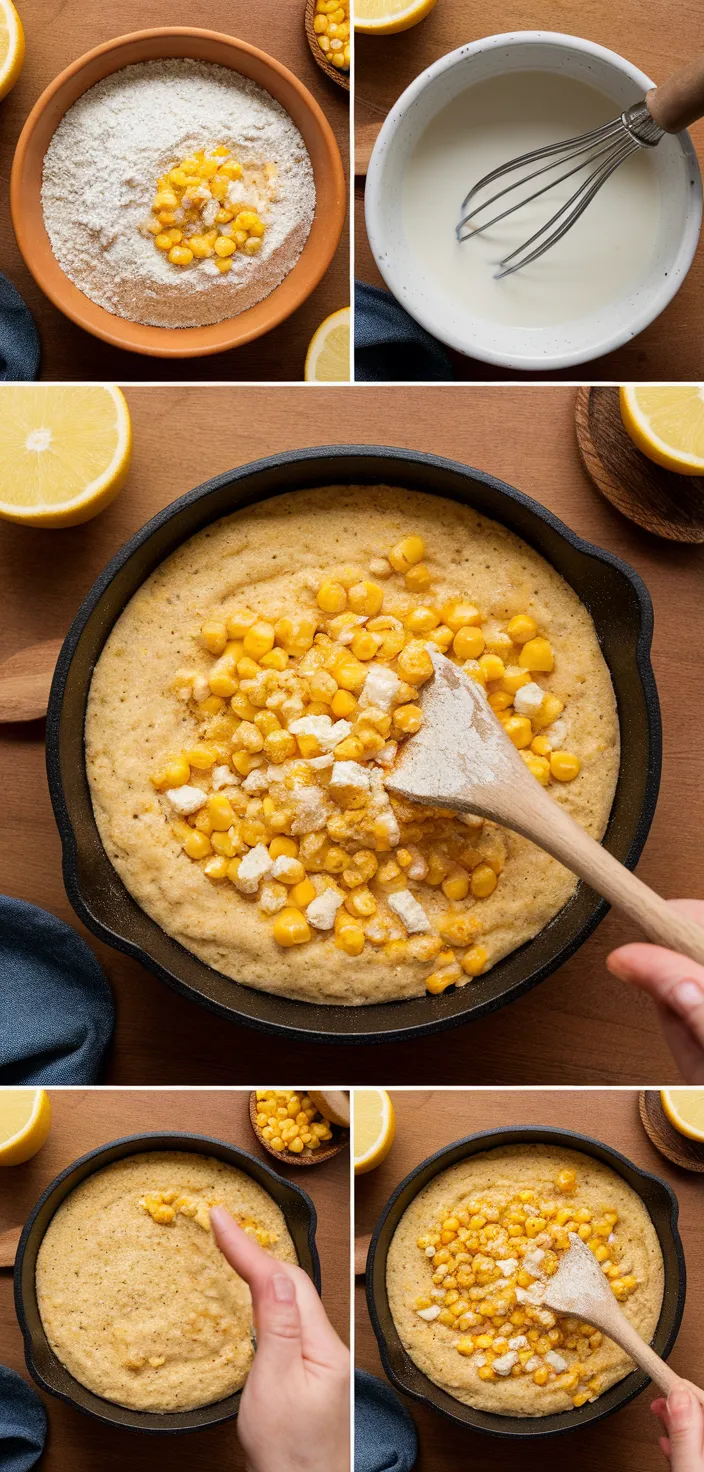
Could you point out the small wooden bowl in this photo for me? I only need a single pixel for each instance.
(155, 45)
(342, 78)
(307, 1157)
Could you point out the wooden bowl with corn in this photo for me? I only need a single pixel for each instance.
(290, 1126)
(328, 26)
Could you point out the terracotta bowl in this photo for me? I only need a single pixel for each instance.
(155, 45)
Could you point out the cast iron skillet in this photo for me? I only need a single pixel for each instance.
(401, 1369)
(619, 604)
(662, 1206)
(42, 1363)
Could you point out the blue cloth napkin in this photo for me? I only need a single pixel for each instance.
(22, 1423)
(56, 1007)
(20, 348)
(389, 345)
(385, 1438)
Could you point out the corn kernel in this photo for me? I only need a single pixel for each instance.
(483, 881)
(519, 731)
(216, 868)
(366, 598)
(179, 255)
(407, 553)
(331, 597)
(564, 767)
(468, 642)
(343, 704)
(214, 636)
(456, 885)
(492, 667)
(418, 579)
(407, 719)
(537, 655)
(197, 845)
(538, 766)
(291, 927)
(414, 664)
(349, 937)
(522, 628)
(474, 960)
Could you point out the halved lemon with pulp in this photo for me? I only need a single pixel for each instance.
(385, 17)
(64, 451)
(685, 1110)
(666, 422)
(11, 46)
(328, 356)
(374, 1128)
(25, 1121)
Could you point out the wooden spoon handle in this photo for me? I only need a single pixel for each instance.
(552, 827)
(680, 100)
(619, 1328)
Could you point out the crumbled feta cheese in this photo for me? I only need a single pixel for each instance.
(380, 687)
(312, 810)
(380, 567)
(505, 1363)
(418, 867)
(528, 700)
(320, 763)
(533, 1259)
(186, 800)
(224, 777)
(201, 689)
(533, 1363)
(480, 1361)
(554, 1359)
(349, 777)
(412, 915)
(253, 867)
(429, 1313)
(327, 734)
(558, 733)
(322, 910)
(272, 897)
(348, 630)
(507, 1266)
(519, 1341)
(256, 782)
(533, 1295)
(210, 209)
(430, 1251)
(387, 756)
(337, 733)
(284, 867)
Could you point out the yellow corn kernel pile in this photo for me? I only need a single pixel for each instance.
(193, 218)
(298, 715)
(332, 28)
(486, 1265)
(289, 1120)
(164, 1206)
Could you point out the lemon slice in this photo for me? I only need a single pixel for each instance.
(385, 17)
(685, 1110)
(328, 356)
(666, 422)
(374, 1128)
(25, 1120)
(11, 46)
(64, 451)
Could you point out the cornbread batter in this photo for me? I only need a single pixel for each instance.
(280, 861)
(472, 1254)
(136, 1299)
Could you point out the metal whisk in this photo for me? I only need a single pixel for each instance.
(666, 109)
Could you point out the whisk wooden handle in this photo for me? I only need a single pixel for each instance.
(680, 100)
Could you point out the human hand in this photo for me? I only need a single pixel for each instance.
(677, 986)
(682, 1415)
(294, 1413)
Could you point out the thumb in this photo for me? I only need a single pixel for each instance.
(671, 979)
(685, 1430)
(277, 1318)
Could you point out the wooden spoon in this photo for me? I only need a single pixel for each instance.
(9, 1242)
(580, 1288)
(463, 759)
(25, 681)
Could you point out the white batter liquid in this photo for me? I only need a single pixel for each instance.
(606, 254)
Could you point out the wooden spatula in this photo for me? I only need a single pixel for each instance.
(25, 681)
(462, 758)
(579, 1287)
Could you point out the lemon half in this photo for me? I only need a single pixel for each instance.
(328, 356)
(374, 1128)
(25, 1121)
(11, 46)
(385, 17)
(666, 422)
(685, 1110)
(64, 451)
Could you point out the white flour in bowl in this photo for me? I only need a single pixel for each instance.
(100, 175)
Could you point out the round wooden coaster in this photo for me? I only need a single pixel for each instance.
(688, 1154)
(668, 505)
(342, 78)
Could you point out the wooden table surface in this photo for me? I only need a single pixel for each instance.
(627, 1441)
(83, 1119)
(56, 35)
(658, 39)
(580, 1026)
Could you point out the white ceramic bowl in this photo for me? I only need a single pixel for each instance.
(529, 348)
